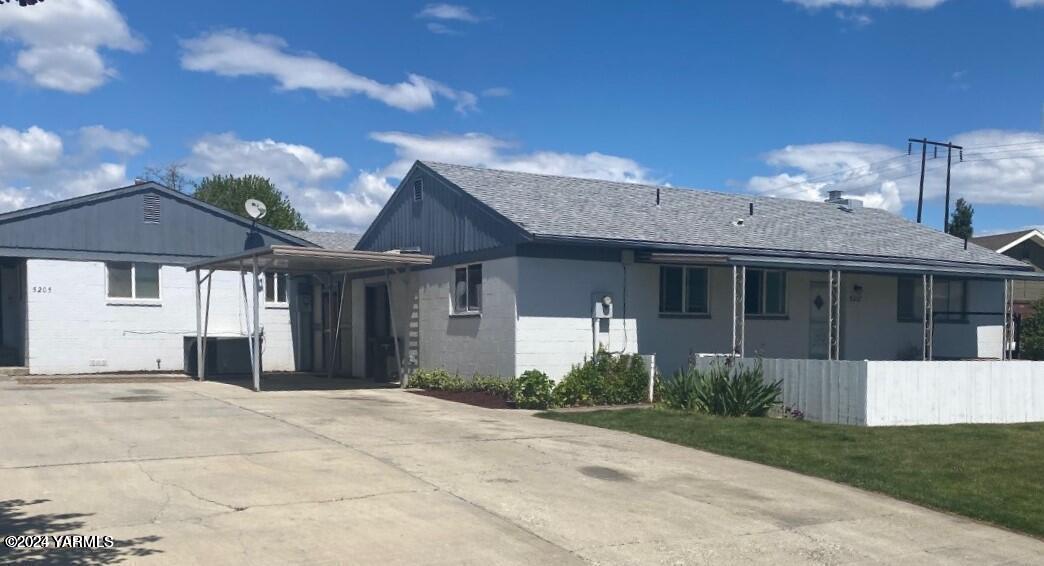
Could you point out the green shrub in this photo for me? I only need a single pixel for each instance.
(1031, 334)
(532, 390)
(726, 389)
(604, 379)
(434, 379)
(442, 380)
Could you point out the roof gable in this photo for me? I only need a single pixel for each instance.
(1004, 242)
(143, 221)
(566, 208)
(444, 221)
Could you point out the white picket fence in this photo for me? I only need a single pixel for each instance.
(887, 393)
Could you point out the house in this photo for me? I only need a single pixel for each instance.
(536, 272)
(1026, 246)
(97, 284)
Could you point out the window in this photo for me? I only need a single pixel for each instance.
(467, 289)
(683, 290)
(275, 288)
(949, 300)
(418, 189)
(128, 280)
(765, 293)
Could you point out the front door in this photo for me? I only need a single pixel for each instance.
(380, 349)
(818, 330)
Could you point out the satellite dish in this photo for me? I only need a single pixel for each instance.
(255, 209)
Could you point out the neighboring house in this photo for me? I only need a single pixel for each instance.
(97, 283)
(526, 267)
(1026, 246)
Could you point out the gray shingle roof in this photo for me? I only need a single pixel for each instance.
(342, 241)
(587, 209)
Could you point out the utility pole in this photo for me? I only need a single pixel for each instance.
(925, 142)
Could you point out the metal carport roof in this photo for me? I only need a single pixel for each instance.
(291, 260)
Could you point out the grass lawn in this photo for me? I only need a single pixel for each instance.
(993, 473)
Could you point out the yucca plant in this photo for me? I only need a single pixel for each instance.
(731, 390)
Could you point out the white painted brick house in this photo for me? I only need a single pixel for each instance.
(97, 283)
(520, 261)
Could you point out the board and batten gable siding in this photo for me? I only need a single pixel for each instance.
(444, 222)
(115, 227)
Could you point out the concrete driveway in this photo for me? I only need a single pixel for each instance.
(213, 473)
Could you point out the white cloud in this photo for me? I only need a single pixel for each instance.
(444, 13)
(235, 53)
(284, 163)
(497, 91)
(454, 12)
(1000, 167)
(61, 42)
(317, 186)
(916, 4)
(33, 150)
(124, 142)
(35, 168)
(1027, 3)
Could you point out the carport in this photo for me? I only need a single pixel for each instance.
(325, 265)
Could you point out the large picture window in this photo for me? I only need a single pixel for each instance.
(949, 300)
(127, 280)
(684, 290)
(765, 293)
(275, 288)
(467, 289)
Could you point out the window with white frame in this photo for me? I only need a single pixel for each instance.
(467, 289)
(684, 290)
(132, 280)
(275, 288)
(765, 293)
(949, 299)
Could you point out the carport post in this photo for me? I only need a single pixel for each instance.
(199, 329)
(206, 326)
(257, 330)
(335, 346)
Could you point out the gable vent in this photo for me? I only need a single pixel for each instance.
(151, 209)
(418, 189)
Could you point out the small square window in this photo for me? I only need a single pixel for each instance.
(275, 288)
(684, 290)
(765, 293)
(126, 280)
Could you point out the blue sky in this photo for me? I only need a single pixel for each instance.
(334, 100)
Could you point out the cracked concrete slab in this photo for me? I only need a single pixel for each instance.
(213, 473)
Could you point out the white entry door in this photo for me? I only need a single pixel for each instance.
(819, 307)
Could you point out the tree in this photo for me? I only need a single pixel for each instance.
(1031, 334)
(961, 220)
(229, 192)
(169, 175)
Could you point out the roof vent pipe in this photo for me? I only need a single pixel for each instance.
(657, 196)
(966, 243)
(752, 209)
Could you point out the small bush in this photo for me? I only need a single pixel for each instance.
(725, 389)
(604, 379)
(532, 390)
(442, 380)
(1031, 334)
(434, 379)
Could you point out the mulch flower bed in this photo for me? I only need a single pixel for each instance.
(477, 398)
